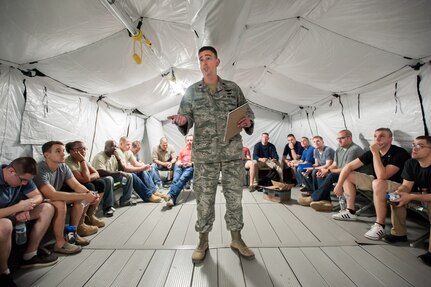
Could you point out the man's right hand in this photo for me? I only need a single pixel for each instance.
(178, 120)
(26, 205)
(338, 190)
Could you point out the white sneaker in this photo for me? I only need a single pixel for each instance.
(376, 232)
(344, 215)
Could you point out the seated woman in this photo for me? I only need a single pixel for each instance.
(89, 177)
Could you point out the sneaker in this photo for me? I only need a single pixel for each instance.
(6, 280)
(426, 258)
(322, 205)
(170, 203)
(390, 238)
(39, 261)
(304, 189)
(305, 201)
(344, 215)
(109, 212)
(376, 232)
(68, 248)
(81, 241)
(128, 203)
(305, 193)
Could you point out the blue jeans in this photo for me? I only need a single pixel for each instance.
(181, 176)
(157, 167)
(127, 188)
(143, 185)
(325, 188)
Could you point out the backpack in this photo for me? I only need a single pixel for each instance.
(266, 181)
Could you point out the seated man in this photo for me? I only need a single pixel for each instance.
(249, 165)
(265, 155)
(307, 159)
(108, 163)
(292, 151)
(416, 177)
(323, 158)
(145, 180)
(53, 175)
(347, 151)
(135, 149)
(387, 161)
(21, 201)
(164, 158)
(183, 172)
(86, 174)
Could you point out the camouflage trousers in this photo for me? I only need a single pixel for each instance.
(205, 181)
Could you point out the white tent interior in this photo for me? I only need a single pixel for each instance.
(308, 67)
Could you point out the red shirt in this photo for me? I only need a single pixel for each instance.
(246, 152)
(185, 155)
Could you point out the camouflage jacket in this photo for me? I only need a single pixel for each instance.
(207, 112)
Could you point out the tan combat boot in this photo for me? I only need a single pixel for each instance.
(91, 218)
(84, 229)
(154, 199)
(238, 244)
(200, 250)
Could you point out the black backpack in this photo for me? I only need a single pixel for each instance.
(272, 175)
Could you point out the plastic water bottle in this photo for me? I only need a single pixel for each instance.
(20, 233)
(392, 196)
(342, 202)
(85, 203)
(70, 232)
(123, 180)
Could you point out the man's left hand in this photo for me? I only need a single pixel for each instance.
(245, 122)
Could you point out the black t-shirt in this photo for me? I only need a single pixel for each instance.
(421, 176)
(297, 147)
(396, 156)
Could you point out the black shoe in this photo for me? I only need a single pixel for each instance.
(109, 212)
(39, 261)
(6, 280)
(390, 238)
(426, 258)
(128, 203)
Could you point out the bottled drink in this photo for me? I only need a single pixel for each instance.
(342, 202)
(392, 196)
(70, 231)
(424, 190)
(124, 180)
(85, 203)
(20, 233)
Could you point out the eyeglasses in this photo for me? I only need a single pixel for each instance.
(81, 148)
(419, 146)
(341, 138)
(21, 179)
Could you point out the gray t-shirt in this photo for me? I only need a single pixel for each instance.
(55, 178)
(327, 154)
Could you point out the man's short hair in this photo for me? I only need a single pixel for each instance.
(189, 135)
(305, 138)
(318, 137)
(23, 165)
(265, 133)
(426, 138)
(136, 144)
(123, 139)
(208, 48)
(384, 130)
(163, 139)
(290, 135)
(346, 132)
(46, 147)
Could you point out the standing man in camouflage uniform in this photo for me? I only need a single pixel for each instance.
(206, 105)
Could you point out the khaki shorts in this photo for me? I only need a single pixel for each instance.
(365, 182)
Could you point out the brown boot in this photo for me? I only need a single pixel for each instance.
(238, 244)
(160, 194)
(84, 229)
(200, 250)
(154, 199)
(91, 218)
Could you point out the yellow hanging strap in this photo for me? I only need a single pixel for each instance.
(138, 38)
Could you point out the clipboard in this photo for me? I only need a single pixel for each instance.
(232, 120)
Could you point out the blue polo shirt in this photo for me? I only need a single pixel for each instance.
(12, 195)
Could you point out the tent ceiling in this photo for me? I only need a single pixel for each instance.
(283, 53)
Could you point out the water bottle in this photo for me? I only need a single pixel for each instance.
(424, 190)
(342, 202)
(20, 233)
(84, 203)
(124, 180)
(70, 232)
(392, 196)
